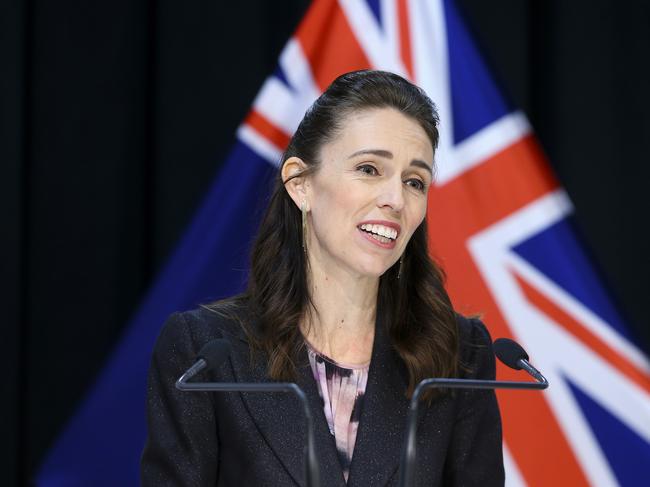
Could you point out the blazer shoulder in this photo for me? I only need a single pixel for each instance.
(190, 330)
(475, 344)
(472, 331)
(226, 318)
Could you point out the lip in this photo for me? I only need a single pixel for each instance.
(366, 235)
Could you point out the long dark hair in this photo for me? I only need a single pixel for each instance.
(420, 320)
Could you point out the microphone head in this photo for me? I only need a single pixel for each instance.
(215, 352)
(509, 352)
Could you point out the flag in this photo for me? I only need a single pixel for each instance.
(499, 222)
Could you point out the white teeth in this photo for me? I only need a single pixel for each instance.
(389, 233)
(381, 238)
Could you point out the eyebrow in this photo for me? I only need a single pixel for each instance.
(389, 155)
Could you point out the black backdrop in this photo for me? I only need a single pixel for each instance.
(115, 115)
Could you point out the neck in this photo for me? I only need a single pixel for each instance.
(341, 323)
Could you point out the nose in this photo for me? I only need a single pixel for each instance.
(391, 195)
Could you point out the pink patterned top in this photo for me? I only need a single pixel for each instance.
(341, 386)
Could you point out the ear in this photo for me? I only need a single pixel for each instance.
(296, 186)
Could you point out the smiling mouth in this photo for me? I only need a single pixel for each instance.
(381, 233)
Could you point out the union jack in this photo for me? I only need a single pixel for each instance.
(499, 222)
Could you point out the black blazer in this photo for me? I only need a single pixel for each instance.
(256, 439)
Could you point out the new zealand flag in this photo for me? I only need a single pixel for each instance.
(499, 222)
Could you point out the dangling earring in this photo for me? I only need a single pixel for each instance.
(401, 263)
(303, 210)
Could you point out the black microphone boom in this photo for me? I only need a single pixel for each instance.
(211, 356)
(509, 352)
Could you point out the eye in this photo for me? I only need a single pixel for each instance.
(416, 184)
(368, 169)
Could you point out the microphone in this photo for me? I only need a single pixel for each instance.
(514, 356)
(509, 352)
(211, 356)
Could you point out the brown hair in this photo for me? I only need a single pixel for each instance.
(420, 320)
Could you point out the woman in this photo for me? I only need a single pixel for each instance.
(344, 300)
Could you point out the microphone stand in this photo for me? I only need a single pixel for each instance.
(312, 472)
(407, 462)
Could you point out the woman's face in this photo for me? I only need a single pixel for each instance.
(370, 192)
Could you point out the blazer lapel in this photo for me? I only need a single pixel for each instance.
(281, 420)
(382, 424)
(331, 470)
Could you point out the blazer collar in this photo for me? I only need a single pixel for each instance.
(281, 421)
(383, 416)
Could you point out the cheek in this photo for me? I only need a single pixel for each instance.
(336, 202)
(416, 217)
(419, 211)
(329, 211)
(334, 220)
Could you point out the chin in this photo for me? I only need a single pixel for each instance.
(373, 268)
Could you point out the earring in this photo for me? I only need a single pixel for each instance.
(303, 210)
(401, 263)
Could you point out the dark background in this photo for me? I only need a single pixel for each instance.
(115, 116)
